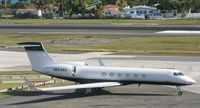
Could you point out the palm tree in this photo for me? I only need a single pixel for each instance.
(6, 3)
(187, 6)
(121, 3)
(22, 4)
(47, 5)
(76, 6)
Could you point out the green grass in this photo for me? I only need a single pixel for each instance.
(125, 44)
(102, 21)
(153, 45)
(12, 39)
(19, 73)
(5, 86)
(4, 95)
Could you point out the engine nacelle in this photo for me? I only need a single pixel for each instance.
(76, 63)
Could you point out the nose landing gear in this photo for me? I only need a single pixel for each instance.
(180, 92)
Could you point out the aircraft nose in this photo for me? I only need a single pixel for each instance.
(190, 81)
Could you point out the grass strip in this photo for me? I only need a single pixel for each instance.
(19, 73)
(136, 44)
(103, 21)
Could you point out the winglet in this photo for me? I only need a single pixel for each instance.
(31, 86)
(101, 62)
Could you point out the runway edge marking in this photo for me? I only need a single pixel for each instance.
(178, 32)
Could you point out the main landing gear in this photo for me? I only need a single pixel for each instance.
(180, 92)
(88, 91)
(92, 90)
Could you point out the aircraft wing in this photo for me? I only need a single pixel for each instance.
(78, 86)
(82, 86)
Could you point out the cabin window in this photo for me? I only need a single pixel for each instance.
(111, 74)
(103, 74)
(143, 75)
(119, 75)
(135, 75)
(127, 75)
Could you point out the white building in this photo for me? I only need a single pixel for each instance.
(32, 11)
(142, 11)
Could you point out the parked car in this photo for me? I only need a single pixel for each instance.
(76, 16)
(89, 15)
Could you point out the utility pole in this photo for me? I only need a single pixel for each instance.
(5, 4)
(62, 10)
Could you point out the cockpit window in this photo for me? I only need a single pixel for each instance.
(175, 74)
(178, 74)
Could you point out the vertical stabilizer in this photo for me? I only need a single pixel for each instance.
(37, 55)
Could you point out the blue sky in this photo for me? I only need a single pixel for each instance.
(14, 1)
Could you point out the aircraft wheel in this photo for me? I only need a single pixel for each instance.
(97, 89)
(88, 91)
(180, 93)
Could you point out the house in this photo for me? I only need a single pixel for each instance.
(111, 10)
(141, 11)
(37, 12)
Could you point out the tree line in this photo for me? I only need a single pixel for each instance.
(95, 6)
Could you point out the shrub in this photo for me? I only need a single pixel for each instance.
(128, 16)
(49, 15)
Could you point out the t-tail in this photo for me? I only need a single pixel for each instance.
(37, 55)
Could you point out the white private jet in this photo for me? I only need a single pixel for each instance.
(96, 77)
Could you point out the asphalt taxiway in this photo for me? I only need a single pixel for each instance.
(100, 29)
(146, 96)
(117, 97)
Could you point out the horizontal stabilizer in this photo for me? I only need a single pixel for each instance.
(32, 46)
(31, 86)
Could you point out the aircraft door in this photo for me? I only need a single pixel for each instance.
(74, 71)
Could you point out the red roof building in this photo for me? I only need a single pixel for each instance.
(111, 10)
